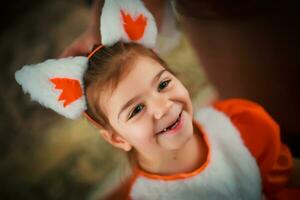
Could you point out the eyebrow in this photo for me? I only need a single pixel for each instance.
(126, 105)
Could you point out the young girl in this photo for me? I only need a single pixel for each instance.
(229, 150)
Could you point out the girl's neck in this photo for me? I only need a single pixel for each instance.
(187, 159)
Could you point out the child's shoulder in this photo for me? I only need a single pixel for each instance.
(257, 128)
(261, 134)
(242, 108)
(259, 131)
(248, 115)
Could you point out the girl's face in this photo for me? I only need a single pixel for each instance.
(145, 102)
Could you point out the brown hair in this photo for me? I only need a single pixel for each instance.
(106, 68)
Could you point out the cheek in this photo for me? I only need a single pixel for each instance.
(183, 94)
(138, 134)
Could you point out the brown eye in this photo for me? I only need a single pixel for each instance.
(136, 110)
(162, 85)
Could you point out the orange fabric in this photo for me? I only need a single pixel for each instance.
(71, 90)
(134, 28)
(183, 175)
(261, 135)
(286, 194)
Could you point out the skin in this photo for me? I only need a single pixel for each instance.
(236, 38)
(258, 53)
(159, 103)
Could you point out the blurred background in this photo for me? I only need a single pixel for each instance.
(43, 155)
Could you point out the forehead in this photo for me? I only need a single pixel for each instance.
(139, 77)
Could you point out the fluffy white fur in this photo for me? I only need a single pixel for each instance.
(231, 174)
(34, 80)
(111, 26)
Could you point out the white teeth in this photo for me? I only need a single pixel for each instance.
(173, 126)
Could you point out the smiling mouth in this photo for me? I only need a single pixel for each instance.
(172, 126)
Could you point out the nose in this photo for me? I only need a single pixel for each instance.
(160, 106)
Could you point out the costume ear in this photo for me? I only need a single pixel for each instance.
(56, 84)
(129, 21)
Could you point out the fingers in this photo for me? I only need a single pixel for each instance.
(76, 49)
(82, 45)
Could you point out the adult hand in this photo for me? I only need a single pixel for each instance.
(83, 44)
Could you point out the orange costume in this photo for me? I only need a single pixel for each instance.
(245, 160)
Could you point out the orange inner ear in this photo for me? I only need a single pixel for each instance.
(134, 28)
(71, 90)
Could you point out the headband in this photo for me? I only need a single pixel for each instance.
(58, 83)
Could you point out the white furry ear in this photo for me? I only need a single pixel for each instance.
(56, 84)
(128, 21)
